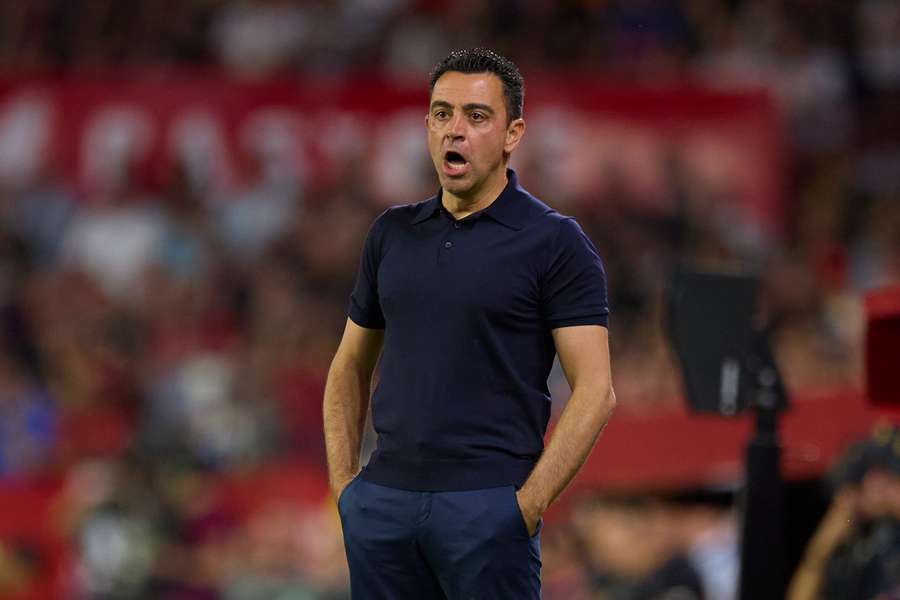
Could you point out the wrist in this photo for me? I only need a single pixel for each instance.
(339, 482)
(532, 501)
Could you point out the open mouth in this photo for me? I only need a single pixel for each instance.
(454, 163)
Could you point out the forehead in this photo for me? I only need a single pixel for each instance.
(464, 88)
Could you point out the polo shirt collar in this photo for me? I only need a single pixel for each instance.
(506, 209)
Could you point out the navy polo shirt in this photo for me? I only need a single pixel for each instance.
(467, 307)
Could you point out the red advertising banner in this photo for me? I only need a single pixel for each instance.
(583, 137)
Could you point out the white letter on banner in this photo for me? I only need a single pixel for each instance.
(25, 125)
(400, 164)
(274, 136)
(196, 142)
(116, 138)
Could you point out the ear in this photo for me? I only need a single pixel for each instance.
(514, 132)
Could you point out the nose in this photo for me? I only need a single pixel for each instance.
(456, 128)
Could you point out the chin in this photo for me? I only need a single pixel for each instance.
(470, 182)
(457, 187)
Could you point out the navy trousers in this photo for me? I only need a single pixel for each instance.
(470, 545)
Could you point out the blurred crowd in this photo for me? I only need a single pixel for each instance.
(153, 339)
(855, 550)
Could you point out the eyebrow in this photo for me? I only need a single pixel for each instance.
(466, 107)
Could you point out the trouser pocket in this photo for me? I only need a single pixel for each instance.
(520, 518)
(341, 498)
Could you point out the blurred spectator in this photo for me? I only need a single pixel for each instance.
(648, 39)
(115, 530)
(39, 213)
(188, 248)
(640, 548)
(879, 23)
(855, 551)
(290, 554)
(415, 43)
(18, 569)
(709, 525)
(269, 198)
(259, 37)
(115, 238)
(195, 413)
(27, 421)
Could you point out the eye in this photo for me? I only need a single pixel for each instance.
(478, 117)
(441, 114)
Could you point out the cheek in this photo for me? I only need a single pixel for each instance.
(490, 147)
(500, 141)
(434, 142)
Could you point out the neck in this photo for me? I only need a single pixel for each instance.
(463, 206)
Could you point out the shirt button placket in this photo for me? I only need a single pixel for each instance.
(447, 243)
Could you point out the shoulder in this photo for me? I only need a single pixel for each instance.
(546, 219)
(568, 229)
(561, 235)
(391, 218)
(532, 213)
(394, 221)
(404, 214)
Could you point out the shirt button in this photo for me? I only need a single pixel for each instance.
(448, 244)
(456, 225)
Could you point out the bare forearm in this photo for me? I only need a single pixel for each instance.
(579, 426)
(344, 409)
(836, 526)
(807, 581)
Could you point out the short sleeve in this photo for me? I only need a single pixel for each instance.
(574, 283)
(365, 308)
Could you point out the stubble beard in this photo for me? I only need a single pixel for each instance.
(461, 188)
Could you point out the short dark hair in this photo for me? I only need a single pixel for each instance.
(480, 60)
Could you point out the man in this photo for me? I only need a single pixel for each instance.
(466, 297)
(855, 551)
